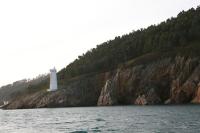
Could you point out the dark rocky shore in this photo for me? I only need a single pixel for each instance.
(165, 81)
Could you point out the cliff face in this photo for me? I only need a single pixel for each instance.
(165, 81)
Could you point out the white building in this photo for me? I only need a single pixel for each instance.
(53, 80)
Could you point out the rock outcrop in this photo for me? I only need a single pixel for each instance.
(166, 81)
(106, 96)
(197, 95)
(141, 100)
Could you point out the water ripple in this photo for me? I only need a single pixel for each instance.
(126, 119)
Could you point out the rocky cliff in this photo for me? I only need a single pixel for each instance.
(166, 81)
(170, 80)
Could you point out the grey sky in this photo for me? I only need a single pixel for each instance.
(36, 35)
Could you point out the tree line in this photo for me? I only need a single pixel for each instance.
(172, 33)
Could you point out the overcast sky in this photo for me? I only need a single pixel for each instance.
(36, 35)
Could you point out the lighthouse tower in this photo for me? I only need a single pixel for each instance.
(53, 80)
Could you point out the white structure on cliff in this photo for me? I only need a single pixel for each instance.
(53, 80)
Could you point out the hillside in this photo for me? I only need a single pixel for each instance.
(8, 92)
(156, 65)
(173, 33)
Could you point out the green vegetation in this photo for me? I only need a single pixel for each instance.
(172, 35)
(21, 87)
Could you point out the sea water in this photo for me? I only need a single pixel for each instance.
(115, 119)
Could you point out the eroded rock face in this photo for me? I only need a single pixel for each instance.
(185, 83)
(166, 81)
(108, 95)
(197, 95)
(141, 100)
(109, 92)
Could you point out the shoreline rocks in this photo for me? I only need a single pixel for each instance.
(164, 81)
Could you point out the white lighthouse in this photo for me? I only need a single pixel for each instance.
(53, 80)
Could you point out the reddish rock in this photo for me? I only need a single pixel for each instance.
(141, 100)
(197, 96)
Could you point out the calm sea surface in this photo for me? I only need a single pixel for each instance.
(119, 119)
